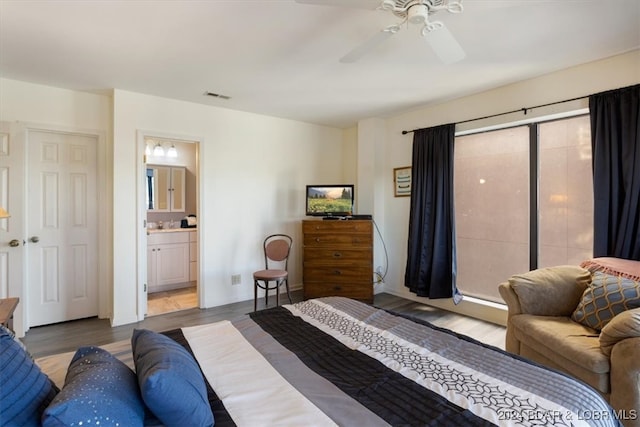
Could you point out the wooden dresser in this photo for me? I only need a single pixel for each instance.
(338, 259)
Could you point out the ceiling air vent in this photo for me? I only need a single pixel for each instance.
(217, 95)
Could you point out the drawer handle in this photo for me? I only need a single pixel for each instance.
(317, 240)
(337, 254)
(337, 272)
(337, 288)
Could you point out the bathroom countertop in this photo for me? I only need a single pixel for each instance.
(169, 230)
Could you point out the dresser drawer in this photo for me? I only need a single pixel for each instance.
(336, 273)
(337, 256)
(346, 240)
(337, 226)
(355, 291)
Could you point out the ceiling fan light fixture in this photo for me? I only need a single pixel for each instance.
(414, 12)
(418, 14)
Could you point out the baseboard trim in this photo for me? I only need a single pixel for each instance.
(469, 306)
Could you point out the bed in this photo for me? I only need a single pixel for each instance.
(336, 361)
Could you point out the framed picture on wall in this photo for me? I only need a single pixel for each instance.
(402, 181)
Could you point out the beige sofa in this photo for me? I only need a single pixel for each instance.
(539, 327)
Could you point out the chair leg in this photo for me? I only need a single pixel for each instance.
(266, 293)
(286, 283)
(255, 295)
(278, 294)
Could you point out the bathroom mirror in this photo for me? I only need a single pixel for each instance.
(165, 188)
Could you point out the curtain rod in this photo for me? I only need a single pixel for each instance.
(524, 110)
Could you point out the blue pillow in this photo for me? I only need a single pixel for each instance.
(606, 296)
(170, 380)
(25, 391)
(98, 389)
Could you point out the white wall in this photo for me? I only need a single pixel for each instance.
(27, 102)
(253, 173)
(612, 73)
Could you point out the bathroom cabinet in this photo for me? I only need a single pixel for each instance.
(169, 263)
(166, 188)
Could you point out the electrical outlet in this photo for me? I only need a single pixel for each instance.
(236, 279)
(379, 275)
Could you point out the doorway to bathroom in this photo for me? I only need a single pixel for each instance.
(171, 221)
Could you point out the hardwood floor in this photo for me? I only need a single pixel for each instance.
(68, 336)
(170, 301)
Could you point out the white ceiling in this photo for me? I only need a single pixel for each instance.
(280, 57)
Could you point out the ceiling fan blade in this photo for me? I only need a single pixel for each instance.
(366, 47)
(358, 4)
(445, 46)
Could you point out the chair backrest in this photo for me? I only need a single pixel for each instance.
(276, 250)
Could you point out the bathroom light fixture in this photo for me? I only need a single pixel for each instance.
(147, 149)
(172, 152)
(4, 214)
(158, 151)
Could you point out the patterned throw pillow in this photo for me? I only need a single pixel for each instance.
(606, 296)
(98, 390)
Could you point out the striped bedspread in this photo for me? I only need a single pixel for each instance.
(335, 361)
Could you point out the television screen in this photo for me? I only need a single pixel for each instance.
(329, 200)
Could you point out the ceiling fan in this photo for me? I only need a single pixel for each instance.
(415, 12)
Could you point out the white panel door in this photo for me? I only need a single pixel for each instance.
(11, 199)
(62, 240)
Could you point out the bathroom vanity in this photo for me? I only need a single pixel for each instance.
(172, 259)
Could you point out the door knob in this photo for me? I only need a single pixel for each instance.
(35, 239)
(14, 243)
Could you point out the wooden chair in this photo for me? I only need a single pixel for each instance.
(276, 254)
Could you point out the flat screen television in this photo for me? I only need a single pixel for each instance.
(329, 200)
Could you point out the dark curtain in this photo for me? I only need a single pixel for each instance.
(431, 257)
(615, 139)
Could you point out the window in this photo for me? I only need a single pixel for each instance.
(566, 192)
(523, 199)
(491, 178)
